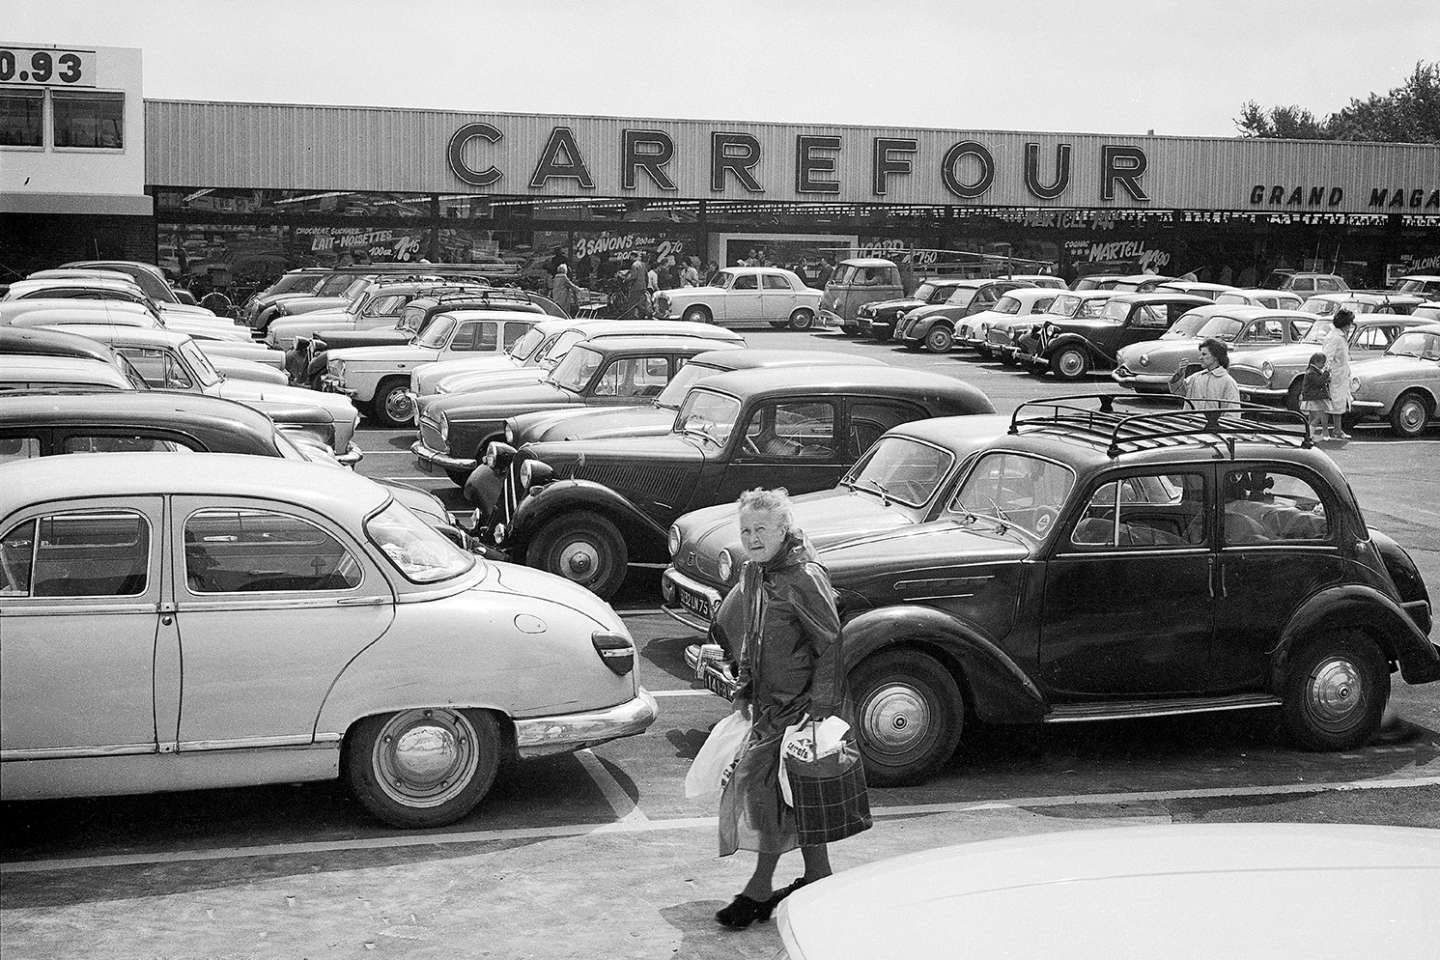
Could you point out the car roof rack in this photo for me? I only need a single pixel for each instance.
(1130, 433)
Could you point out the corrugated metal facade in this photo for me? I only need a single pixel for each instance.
(249, 145)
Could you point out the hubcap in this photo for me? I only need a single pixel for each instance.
(424, 758)
(1336, 692)
(1072, 364)
(1412, 415)
(896, 718)
(398, 406)
(579, 561)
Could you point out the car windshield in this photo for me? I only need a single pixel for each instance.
(961, 296)
(680, 385)
(1322, 307)
(708, 416)
(1318, 332)
(434, 336)
(722, 279)
(1084, 308)
(1416, 343)
(1014, 490)
(560, 347)
(1414, 286)
(527, 344)
(411, 319)
(926, 292)
(900, 469)
(577, 369)
(420, 553)
(1222, 328)
(1186, 327)
(204, 370)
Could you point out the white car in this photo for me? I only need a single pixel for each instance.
(1275, 891)
(1260, 297)
(741, 295)
(974, 330)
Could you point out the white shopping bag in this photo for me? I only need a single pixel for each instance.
(807, 742)
(716, 760)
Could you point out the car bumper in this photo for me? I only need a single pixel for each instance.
(708, 662)
(1368, 408)
(330, 384)
(567, 732)
(688, 601)
(1262, 394)
(829, 318)
(1141, 382)
(351, 456)
(435, 458)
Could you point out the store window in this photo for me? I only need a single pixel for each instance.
(89, 120)
(21, 113)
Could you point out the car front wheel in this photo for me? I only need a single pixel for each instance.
(1070, 363)
(697, 315)
(1335, 691)
(425, 767)
(392, 406)
(940, 339)
(909, 711)
(1409, 415)
(582, 547)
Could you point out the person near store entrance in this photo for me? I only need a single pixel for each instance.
(638, 283)
(1212, 388)
(564, 291)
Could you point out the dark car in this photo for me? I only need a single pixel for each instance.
(878, 319)
(1072, 348)
(585, 509)
(1096, 565)
(457, 429)
(933, 327)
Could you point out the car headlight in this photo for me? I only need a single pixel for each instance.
(727, 565)
(984, 329)
(672, 541)
(498, 455)
(1356, 385)
(899, 315)
(534, 473)
(509, 434)
(444, 428)
(1144, 359)
(1267, 369)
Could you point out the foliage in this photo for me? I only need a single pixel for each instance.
(1409, 113)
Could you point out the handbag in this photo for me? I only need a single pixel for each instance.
(716, 760)
(828, 792)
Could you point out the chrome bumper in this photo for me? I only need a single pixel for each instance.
(330, 384)
(351, 456)
(688, 601)
(436, 458)
(707, 661)
(829, 318)
(1265, 393)
(1139, 381)
(566, 732)
(1372, 407)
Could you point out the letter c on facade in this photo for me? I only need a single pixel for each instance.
(455, 154)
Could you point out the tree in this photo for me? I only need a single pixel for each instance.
(1409, 113)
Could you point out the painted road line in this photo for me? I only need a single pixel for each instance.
(415, 479)
(686, 823)
(681, 693)
(615, 795)
(646, 612)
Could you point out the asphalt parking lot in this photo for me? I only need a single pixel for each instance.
(599, 854)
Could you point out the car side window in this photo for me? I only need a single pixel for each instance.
(242, 550)
(745, 281)
(19, 448)
(1374, 338)
(1145, 511)
(634, 377)
(1269, 506)
(1147, 316)
(871, 419)
(1327, 284)
(800, 430)
(1263, 331)
(118, 443)
(1041, 305)
(94, 553)
(513, 332)
(478, 335)
(774, 281)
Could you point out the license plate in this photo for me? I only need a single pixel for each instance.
(695, 604)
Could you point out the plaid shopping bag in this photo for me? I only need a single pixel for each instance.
(830, 798)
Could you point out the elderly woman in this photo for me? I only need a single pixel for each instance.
(1336, 348)
(782, 619)
(564, 291)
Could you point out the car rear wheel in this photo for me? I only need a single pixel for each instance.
(392, 406)
(1335, 691)
(803, 320)
(425, 767)
(909, 711)
(697, 315)
(940, 339)
(1071, 363)
(582, 547)
(1409, 415)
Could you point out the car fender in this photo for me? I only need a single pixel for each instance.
(542, 505)
(1063, 340)
(1359, 606)
(998, 689)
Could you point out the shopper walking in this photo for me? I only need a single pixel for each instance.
(782, 619)
(1212, 388)
(564, 291)
(1336, 348)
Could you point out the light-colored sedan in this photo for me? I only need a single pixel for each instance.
(1273, 374)
(1148, 367)
(1403, 385)
(324, 631)
(1177, 892)
(746, 295)
(1260, 297)
(974, 331)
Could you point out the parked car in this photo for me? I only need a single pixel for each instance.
(43, 342)
(1019, 602)
(585, 509)
(933, 327)
(1072, 348)
(378, 307)
(1359, 301)
(1047, 280)
(1308, 283)
(1258, 297)
(1403, 384)
(1007, 336)
(856, 282)
(1273, 375)
(1169, 891)
(1017, 306)
(456, 430)
(1147, 367)
(134, 313)
(1096, 281)
(377, 379)
(878, 318)
(31, 372)
(1210, 291)
(1421, 283)
(737, 296)
(262, 309)
(149, 277)
(120, 288)
(1140, 283)
(324, 629)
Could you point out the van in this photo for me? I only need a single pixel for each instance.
(855, 283)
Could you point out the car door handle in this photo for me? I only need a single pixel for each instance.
(360, 601)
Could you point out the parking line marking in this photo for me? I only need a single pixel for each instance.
(684, 823)
(681, 693)
(416, 479)
(625, 808)
(646, 612)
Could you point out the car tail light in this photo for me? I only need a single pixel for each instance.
(616, 649)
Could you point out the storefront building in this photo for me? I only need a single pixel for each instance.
(243, 190)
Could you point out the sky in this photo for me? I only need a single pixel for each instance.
(1126, 68)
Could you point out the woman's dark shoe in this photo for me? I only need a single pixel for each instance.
(744, 911)
(784, 892)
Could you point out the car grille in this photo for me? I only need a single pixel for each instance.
(1248, 377)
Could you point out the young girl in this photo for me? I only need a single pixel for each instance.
(1315, 396)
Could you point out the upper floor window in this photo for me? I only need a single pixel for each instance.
(89, 120)
(22, 118)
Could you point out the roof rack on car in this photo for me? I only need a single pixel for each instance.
(1128, 433)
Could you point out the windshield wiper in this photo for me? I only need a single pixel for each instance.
(884, 494)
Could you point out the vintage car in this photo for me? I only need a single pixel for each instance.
(1403, 385)
(1148, 367)
(325, 631)
(1017, 306)
(1168, 890)
(1140, 283)
(878, 318)
(148, 277)
(1006, 334)
(1018, 603)
(526, 353)
(377, 379)
(39, 372)
(1259, 297)
(173, 361)
(301, 281)
(95, 288)
(379, 307)
(737, 296)
(1422, 283)
(933, 327)
(45, 342)
(210, 328)
(262, 309)
(1359, 301)
(1273, 375)
(357, 287)
(585, 509)
(1047, 280)
(622, 371)
(1308, 284)
(856, 282)
(1210, 291)
(1096, 281)
(1072, 348)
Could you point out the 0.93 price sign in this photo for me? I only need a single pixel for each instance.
(48, 67)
